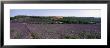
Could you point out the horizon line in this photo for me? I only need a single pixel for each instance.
(51, 16)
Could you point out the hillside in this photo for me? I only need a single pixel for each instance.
(55, 20)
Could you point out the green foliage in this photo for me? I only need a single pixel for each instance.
(34, 35)
(80, 20)
(85, 35)
(90, 35)
(71, 37)
(64, 20)
(12, 18)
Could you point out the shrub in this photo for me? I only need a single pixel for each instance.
(34, 35)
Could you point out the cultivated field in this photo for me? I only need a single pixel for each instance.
(55, 31)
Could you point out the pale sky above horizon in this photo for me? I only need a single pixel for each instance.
(56, 12)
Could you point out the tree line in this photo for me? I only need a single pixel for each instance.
(64, 20)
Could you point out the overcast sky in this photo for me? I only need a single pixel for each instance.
(56, 12)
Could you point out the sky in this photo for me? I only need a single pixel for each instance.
(56, 12)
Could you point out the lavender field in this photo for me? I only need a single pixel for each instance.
(54, 31)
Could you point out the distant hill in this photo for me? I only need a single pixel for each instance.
(55, 20)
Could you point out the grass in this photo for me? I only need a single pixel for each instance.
(15, 34)
(34, 35)
(78, 35)
(85, 35)
(75, 36)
